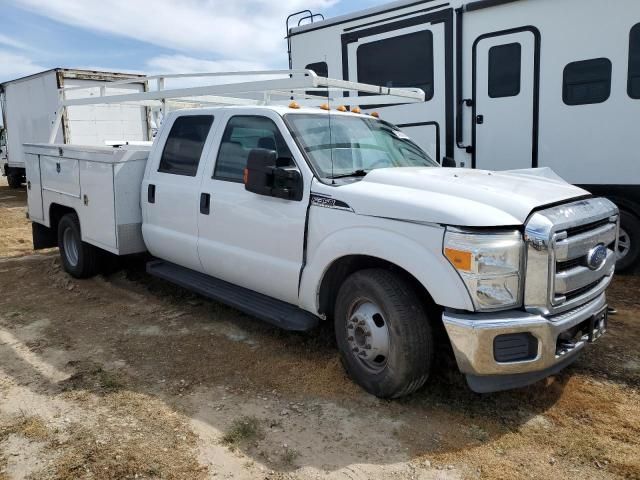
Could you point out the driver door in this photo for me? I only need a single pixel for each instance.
(252, 240)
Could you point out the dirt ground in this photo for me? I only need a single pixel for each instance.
(125, 376)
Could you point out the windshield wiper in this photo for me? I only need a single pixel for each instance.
(355, 173)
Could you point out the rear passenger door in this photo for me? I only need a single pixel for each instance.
(170, 192)
(251, 240)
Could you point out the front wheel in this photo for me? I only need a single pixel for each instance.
(79, 259)
(382, 331)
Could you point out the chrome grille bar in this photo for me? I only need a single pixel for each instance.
(564, 233)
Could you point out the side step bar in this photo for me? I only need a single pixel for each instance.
(275, 312)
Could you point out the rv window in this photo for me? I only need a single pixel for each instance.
(634, 63)
(403, 61)
(184, 145)
(587, 82)
(505, 63)
(322, 70)
(243, 134)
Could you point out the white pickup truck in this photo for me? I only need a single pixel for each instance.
(297, 215)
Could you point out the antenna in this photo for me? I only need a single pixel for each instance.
(333, 180)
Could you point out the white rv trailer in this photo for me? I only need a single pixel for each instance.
(508, 83)
(30, 104)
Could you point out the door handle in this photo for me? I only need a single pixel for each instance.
(151, 193)
(205, 203)
(479, 119)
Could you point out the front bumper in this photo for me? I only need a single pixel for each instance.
(472, 337)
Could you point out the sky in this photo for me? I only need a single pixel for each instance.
(157, 36)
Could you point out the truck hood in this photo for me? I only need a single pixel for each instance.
(459, 197)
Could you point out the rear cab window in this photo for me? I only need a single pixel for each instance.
(183, 148)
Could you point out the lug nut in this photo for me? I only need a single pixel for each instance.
(367, 334)
(350, 327)
(356, 349)
(350, 338)
(368, 347)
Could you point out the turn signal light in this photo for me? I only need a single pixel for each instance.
(342, 108)
(294, 104)
(459, 258)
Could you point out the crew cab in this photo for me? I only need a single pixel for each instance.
(302, 215)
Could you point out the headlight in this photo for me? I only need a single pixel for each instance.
(490, 266)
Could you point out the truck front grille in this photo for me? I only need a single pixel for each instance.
(570, 254)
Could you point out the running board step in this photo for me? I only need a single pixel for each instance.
(275, 312)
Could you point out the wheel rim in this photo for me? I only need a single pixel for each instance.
(368, 335)
(70, 247)
(624, 244)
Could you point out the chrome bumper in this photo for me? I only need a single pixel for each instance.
(472, 337)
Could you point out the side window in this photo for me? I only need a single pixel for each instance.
(587, 82)
(634, 63)
(183, 149)
(321, 68)
(505, 64)
(243, 134)
(404, 61)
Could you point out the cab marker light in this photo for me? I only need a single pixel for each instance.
(341, 108)
(375, 114)
(356, 110)
(294, 105)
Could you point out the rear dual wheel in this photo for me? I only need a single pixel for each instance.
(384, 336)
(79, 259)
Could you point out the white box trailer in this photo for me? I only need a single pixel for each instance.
(508, 83)
(30, 105)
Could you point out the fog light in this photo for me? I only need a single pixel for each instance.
(515, 347)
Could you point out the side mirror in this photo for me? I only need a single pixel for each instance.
(449, 162)
(268, 175)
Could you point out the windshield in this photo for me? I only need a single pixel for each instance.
(355, 145)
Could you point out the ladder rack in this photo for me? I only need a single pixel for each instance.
(273, 87)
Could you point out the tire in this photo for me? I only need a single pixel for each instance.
(79, 259)
(14, 181)
(629, 244)
(372, 304)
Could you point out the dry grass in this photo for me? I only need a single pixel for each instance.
(31, 427)
(243, 430)
(133, 436)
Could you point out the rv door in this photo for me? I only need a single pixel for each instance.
(505, 97)
(396, 55)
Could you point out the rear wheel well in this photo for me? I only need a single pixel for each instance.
(56, 212)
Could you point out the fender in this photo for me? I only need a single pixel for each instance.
(423, 259)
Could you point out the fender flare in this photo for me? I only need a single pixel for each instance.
(428, 266)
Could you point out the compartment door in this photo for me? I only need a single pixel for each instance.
(505, 101)
(34, 187)
(412, 56)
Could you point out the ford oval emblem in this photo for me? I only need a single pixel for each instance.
(596, 257)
